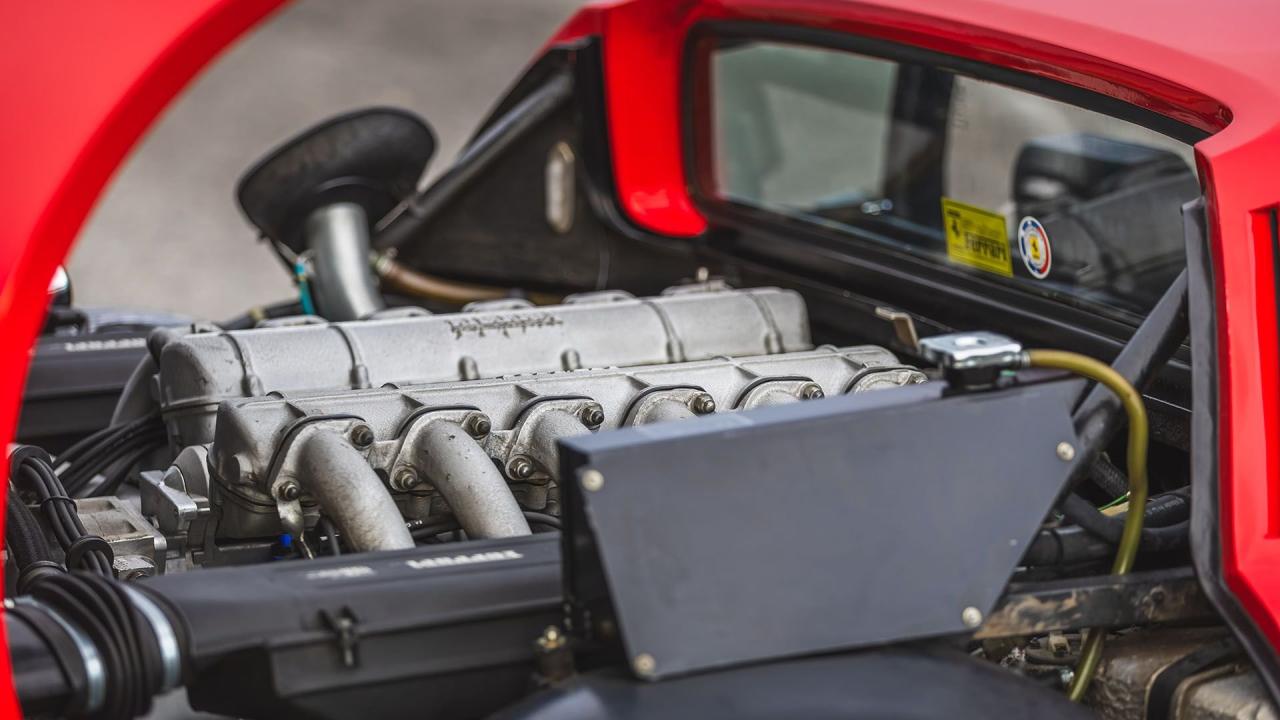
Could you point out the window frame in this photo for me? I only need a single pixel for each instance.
(863, 247)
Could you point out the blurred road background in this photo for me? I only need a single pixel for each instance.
(167, 234)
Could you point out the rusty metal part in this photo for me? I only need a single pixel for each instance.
(398, 277)
(1104, 602)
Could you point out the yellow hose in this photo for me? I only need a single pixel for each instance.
(1131, 537)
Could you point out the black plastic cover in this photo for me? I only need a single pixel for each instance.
(831, 524)
(74, 383)
(451, 626)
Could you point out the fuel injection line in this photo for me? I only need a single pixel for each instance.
(1131, 399)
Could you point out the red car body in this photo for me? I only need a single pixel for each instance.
(84, 80)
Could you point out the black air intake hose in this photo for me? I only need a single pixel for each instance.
(115, 645)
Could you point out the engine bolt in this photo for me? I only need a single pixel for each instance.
(811, 391)
(406, 479)
(644, 665)
(520, 468)
(592, 416)
(478, 426)
(289, 491)
(1066, 452)
(362, 436)
(592, 480)
(551, 639)
(703, 404)
(971, 617)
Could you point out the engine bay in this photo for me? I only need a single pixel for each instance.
(601, 468)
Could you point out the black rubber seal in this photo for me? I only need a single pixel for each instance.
(89, 543)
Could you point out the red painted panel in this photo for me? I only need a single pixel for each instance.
(82, 81)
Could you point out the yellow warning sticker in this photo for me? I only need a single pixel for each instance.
(977, 238)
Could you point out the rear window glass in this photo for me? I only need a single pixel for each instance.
(983, 178)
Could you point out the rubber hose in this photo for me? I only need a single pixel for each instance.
(1072, 544)
(1170, 533)
(1107, 476)
(401, 278)
(1136, 461)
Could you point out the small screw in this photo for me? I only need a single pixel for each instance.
(592, 416)
(703, 404)
(477, 425)
(811, 391)
(644, 665)
(289, 491)
(520, 468)
(1066, 452)
(551, 639)
(971, 617)
(362, 436)
(592, 480)
(405, 479)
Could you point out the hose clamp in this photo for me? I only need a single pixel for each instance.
(166, 638)
(94, 669)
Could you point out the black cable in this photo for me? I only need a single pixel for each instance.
(444, 524)
(32, 466)
(331, 536)
(107, 450)
(448, 523)
(129, 649)
(536, 518)
(25, 541)
(116, 475)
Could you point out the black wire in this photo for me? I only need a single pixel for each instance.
(448, 523)
(57, 507)
(331, 536)
(125, 440)
(535, 518)
(440, 526)
(116, 476)
(130, 651)
(78, 475)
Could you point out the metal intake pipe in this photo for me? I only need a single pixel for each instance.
(351, 494)
(548, 429)
(459, 468)
(338, 237)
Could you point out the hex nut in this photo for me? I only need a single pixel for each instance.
(592, 416)
(289, 491)
(811, 391)
(703, 404)
(478, 425)
(362, 436)
(520, 468)
(1066, 452)
(592, 480)
(405, 479)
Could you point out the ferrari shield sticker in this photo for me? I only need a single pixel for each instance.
(977, 238)
(1033, 243)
